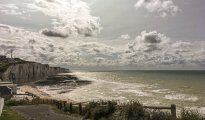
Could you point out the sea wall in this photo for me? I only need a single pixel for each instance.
(29, 72)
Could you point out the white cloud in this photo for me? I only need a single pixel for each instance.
(10, 9)
(71, 16)
(153, 48)
(125, 36)
(69, 52)
(149, 48)
(162, 7)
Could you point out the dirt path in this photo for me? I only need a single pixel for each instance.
(41, 112)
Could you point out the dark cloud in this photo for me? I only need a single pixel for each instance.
(53, 33)
(152, 38)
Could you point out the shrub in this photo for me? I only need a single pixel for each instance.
(129, 111)
(99, 110)
(159, 115)
(190, 115)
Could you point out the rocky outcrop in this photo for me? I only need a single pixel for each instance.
(29, 72)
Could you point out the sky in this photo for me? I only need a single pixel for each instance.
(105, 34)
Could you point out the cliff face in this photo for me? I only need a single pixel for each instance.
(28, 72)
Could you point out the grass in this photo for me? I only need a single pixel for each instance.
(56, 110)
(9, 114)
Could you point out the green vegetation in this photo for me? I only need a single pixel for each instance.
(109, 110)
(100, 109)
(5, 64)
(9, 114)
(190, 115)
(127, 111)
(133, 110)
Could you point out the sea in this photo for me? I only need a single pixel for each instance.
(186, 89)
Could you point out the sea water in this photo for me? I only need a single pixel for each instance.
(161, 88)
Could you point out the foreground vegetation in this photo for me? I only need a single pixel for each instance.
(9, 114)
(110, 110)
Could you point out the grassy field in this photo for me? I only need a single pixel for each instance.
(9, 114)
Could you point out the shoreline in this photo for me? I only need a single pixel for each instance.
(67, 79)
(34, 90)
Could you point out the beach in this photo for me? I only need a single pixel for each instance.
(34, 90)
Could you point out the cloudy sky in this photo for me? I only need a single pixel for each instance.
(105, 34)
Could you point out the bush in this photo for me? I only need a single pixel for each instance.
(129, 111)
(99, 110)
(190, 115)
(159, 115)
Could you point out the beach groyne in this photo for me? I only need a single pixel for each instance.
(28, 72)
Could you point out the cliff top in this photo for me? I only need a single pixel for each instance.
(6, 62)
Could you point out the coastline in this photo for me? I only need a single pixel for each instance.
(75, 94)
(68, 80)
(62, 87)
(34, 90)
